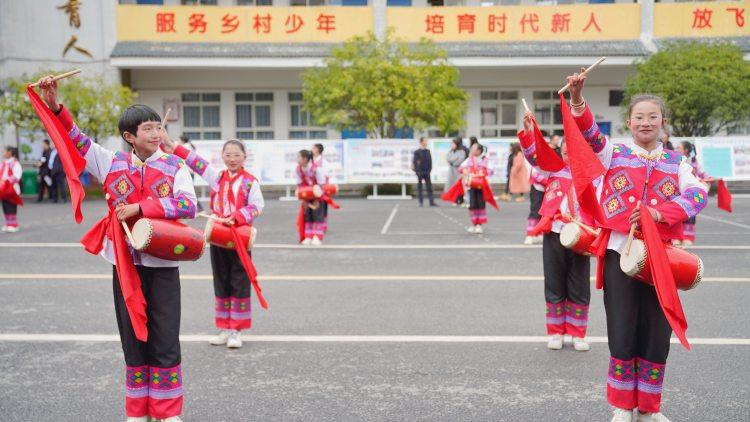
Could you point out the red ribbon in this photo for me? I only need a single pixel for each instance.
(724, 197)
(247, 264)
(72, 162)
(8, 193)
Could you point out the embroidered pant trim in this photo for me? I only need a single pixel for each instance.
(567, 290)
(10, 210)
(153, 383)
(638, 337)
(530, 224)
(232, 306)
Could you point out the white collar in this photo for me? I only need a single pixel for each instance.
(155, 156)
(642, 151)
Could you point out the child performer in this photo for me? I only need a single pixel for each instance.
(10, 178)
(687, 149)
(317, 153)
(539, 181)
(311, 226)
(145, 183)
(566, 273)
(477, 166)
(236, 198)
(663, 183)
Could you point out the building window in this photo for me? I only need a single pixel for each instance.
(435, 3)
(302, 125)
(547, 111)
(199, 2)
(254, 2)
(254, 112)
(499, 114)
(615, 97)
(201, 115)
(739, 129)
(500, 2)
(313, 2)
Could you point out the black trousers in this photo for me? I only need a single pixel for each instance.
(161, 288)
(566, 273)
(428, 185)
(316, 215)
(476, 199)
(59, 187)
(9, 207)
(636, 326)
(536, 197)
(43, 187)
(230, 279)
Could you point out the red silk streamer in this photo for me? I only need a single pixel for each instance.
(301, 222)
(585, 166)
(661, 274)
(72, 162)
(546, 158)
(454, 192)
(598, 249)
(724, 197)
(247, 264)
(8, 193)
(130, 282)
(328, 200)
(543, 226)
(487, 194)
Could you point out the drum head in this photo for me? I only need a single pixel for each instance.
(207, 231)
(141, 232)
(632, 263)
(570, 235)
(317, 191)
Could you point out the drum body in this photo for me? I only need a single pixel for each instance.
(576, 238)
(309, 193)
(476, 182)
(330, 189)
(686, 267)
(220, 235)
(167, 239)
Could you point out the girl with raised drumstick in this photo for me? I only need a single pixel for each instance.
(566, 273)
(237, 200)
(145, 183)
(663, 182)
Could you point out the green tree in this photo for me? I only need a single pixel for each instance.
(95, 103)
(383, 85)
(706, 86)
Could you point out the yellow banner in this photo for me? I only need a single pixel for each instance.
(518, 23)
(702, 19)
(241, 24)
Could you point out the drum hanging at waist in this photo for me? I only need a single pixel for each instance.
(167, 239)
(577, 238)
(220, 235)
(309, 193)
(687, 268)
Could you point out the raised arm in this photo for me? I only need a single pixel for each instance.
(586, 122)
(199, 165)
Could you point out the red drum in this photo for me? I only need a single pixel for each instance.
(167, 239)
(476, 182)
(686, 267)
(309, 193)
(220, 235)
(330, 189)
(576, 238)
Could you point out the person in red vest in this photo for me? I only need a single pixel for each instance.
(662, 181)
(567, 288)
(237, 199)
(309, 174)
(476, 166)
(10, 180)
(145, 183)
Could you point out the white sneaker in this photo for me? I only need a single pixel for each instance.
(471, 229)
(221, 338)
(622, 415)
(139, 419)
(581, 345)
(528, 241)
(234, 341)
(306, 242)
(478, 229)
(4, 229)
(555, 342)
(538, 240)
(171, 419)
(651, 417)
(316, 241)
(12, 229)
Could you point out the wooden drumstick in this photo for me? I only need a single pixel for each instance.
(590, 68)
(58, 77)
(630, 239)
(585, 227)
(525, 105)
(166, 116)
(128, 234)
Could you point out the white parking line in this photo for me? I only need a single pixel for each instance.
(390, 219)
(354, 277)
(203, 338)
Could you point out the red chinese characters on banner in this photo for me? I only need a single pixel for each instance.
(262, 24)
(702, 18)
(326, 22)
(435, 24)
(466, 23)
(229, 23)
(197, 23)
(165, 23)
(496, 23)
(531, 19)
(293, 23)
(739, 16)
(592, 22)
(561, 22)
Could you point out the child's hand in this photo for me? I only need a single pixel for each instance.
(49, 92)
(576, 82)
(124, 212)
(635, 217)
(166, 142)
(527, 121)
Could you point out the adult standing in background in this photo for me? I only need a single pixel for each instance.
(455, 157)
(59, 186)
(518, 177)
(44, 179)
(421, 163)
